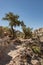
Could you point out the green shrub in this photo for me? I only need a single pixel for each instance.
(36, 49)
(27, 32)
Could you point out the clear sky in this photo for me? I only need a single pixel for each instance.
(30, 11)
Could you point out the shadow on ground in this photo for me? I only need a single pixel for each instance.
(4, 58)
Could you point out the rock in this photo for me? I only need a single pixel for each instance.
(35, 62)
(21, 52)
(41, 61)
(16, 42)
(41, 39)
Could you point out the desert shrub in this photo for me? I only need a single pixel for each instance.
(27, 32)
(36, 49)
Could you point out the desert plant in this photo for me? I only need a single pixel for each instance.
(36, 49)
(13, 21)
(27, 31)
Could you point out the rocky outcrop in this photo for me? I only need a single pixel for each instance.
(25, 57)
(21, 52)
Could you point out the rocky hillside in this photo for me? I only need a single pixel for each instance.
(21, 51)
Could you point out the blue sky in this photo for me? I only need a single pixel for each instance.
(30, 11)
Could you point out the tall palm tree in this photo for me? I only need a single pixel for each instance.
(13, 21)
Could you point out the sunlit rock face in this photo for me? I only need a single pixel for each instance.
(38, 32)
(41, 39)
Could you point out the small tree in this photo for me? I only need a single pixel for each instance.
(13, 21)
(26, 30)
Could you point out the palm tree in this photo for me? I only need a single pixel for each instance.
(13, 21)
